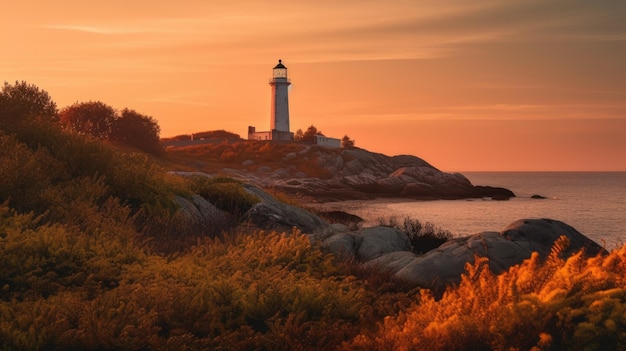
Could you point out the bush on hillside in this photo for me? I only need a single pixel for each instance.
(137, 130)
(39, 260)
(25, 174)
(225, 193)
(45, 156)
(93, 118)
(23, 102)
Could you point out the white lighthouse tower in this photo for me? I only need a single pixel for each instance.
(279, 118)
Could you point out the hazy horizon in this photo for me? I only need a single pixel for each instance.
(480, 86)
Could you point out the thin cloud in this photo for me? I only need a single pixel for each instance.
(193, 98)
(91, 29)
(322, 32)
(440, 33)
(538, 111)
(494, 112)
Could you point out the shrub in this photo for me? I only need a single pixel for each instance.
(346, 142)
(138, 131)
(93, 118)
(225, 193)
(25, 174)
(56, 157)
(23, 101)
(228, 155)
(423, 237)
(141, 182)
(271, 284)
(39, 260)
(572, 304)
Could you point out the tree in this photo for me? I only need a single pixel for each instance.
(24, 101)
(298, 136)
(311, 132)
(92, 118)
(346, 142)
(137, 130)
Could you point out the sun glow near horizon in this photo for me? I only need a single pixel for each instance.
(522, 85)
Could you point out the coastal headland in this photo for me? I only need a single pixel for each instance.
(311, 174)
(319, 174)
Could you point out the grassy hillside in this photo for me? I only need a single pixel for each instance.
(79, 269)
(213, 157)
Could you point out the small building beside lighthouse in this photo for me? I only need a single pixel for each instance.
(279, 115)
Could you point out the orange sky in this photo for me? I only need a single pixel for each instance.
(466, 85)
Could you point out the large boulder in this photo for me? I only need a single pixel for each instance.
(429, 182)
(496, 193)
(392, 262)
(369, 243)
(197, 212)
(443, 266)
(540, 234)
(272, 214)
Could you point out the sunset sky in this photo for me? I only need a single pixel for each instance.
(518, 85)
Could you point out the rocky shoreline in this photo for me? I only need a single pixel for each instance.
(322, 175)
(389, 250)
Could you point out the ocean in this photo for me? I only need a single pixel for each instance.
(594, 203)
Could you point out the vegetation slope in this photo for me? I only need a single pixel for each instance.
(79, 269)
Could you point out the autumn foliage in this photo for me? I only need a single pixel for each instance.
(560, 304)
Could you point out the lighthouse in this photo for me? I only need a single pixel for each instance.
(279, 118)
(279, 115)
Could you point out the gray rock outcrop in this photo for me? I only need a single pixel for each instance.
(327, 174)
(443, 266)
(200, 217)
(369, 243)
(272, 214)
(332, 175)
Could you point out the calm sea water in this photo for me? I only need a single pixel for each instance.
(593, 203)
